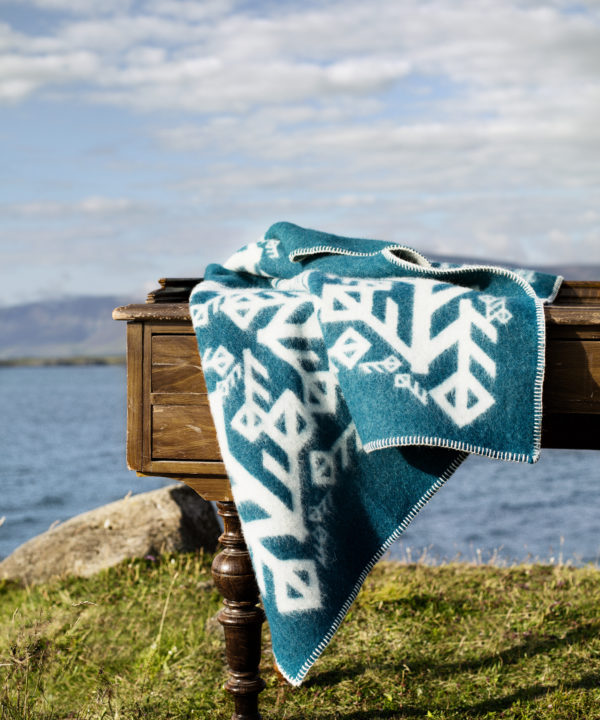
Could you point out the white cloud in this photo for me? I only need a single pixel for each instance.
(20, 76)
(212, 58)
(92, 205)
(79, 7)
(468, 126)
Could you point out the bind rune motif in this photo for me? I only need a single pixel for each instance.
(462, 396)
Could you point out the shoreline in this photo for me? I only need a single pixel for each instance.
(63, 361)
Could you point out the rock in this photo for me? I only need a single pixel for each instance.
(171, 519)
(212, 626)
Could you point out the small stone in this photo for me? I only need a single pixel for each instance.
(212, 626)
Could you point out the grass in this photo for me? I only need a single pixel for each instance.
(454, 641)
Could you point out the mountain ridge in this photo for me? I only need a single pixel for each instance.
(82, 326)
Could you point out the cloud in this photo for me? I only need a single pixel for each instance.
(93, 205)
(213, 58)
(78, 7)
(469, 126)
(21, 76)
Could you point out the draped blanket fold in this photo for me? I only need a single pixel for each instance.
(348, 379)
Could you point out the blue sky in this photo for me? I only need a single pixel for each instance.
(144, 139)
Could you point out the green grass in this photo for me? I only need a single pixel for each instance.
(455, 641)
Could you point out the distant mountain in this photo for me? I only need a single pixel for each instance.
(569, 272)
(77, 326)
(83, 326)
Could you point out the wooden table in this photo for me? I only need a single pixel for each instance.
(170, 434)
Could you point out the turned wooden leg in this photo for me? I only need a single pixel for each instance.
(241, 619)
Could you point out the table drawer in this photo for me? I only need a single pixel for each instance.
(175, 366)
(170, 429)
(183, 432)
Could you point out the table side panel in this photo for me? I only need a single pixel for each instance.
(146, 406)
(134, 395)
(572, 382)
(571, 431)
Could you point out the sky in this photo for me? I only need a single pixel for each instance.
(147, 139)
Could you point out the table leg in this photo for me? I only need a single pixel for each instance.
(241, 618)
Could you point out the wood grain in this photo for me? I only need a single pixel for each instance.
(578, 292)
(175, 349)
(181, 379)
(183, 432)
(210, 488)
(176, 365)
(146, 406)
(134, 395)
(573, 315)
(185, 468)
(241, 617)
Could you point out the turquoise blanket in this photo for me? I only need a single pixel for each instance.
(348, 379)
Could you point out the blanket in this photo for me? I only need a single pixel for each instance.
(348, 379)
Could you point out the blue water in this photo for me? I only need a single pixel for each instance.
(62, 446)
(62, 451)
(512, 512)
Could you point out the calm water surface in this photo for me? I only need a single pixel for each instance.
(62, 446)
(62, 451)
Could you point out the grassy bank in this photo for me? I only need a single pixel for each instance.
(140, 641)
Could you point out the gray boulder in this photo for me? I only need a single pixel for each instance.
(171, 519)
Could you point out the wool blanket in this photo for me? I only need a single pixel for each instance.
(348, 379)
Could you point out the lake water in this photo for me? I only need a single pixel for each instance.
(62, 451)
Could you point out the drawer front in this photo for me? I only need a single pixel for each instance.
(183, 432)
(170, 429)
(175, 366)
(180, 436)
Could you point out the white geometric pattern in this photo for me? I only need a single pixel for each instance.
(350, 347)
(320, 391)
(243, 307)
(462, 397)
(249, 419)
(287, 323)
(407, 382)
(220, 360)
(292, 332)
(389, 365)
(271, 248)
(225, 385)
(495, 309)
